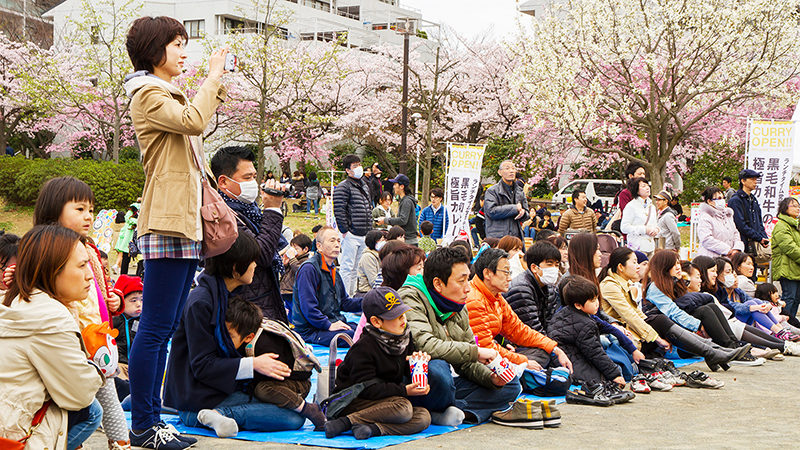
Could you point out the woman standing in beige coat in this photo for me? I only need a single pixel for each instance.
(168, 128)
(42, 357)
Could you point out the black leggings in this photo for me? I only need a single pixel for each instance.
(660, 323)
(716, 325)
(758, 338)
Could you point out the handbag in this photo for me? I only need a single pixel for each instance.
(333, 405)
(219, 220)
(327, 378)
(38, 418)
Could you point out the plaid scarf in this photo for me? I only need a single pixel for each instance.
(393, 344)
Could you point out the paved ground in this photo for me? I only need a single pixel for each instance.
(757, 407)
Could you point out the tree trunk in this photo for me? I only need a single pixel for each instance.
(117, 138)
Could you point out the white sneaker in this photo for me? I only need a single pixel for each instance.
(791, 348)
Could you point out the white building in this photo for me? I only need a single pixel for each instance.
(362, 23)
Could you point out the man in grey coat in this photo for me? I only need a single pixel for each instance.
(505, 205)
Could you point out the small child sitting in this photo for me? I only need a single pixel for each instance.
(381, 355)
(127, 323)
(767, 292)
(243, 320)
(578, 334)
(426, 243)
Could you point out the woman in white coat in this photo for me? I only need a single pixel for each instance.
(42, 357)
(640, 218)
(716, 230)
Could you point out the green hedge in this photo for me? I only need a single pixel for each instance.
(114, 185)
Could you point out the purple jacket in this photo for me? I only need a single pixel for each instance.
(717, 232)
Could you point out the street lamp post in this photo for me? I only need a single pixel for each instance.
(406, 32)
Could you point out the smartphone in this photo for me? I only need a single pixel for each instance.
(231, 61)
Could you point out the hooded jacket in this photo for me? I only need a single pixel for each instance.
(786, 249)
(717, 232)
(579, 336)
(636, 218)
(406, 218)
(168, 127)
(42, 358)
(490, 316)
(450, 340)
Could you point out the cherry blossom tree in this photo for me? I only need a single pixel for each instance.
(638, 79)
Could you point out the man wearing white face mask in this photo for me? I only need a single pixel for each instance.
(236, 179)
(533, 296)
(716, 229)
(352, 206)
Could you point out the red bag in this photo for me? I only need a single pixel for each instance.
(10, 444)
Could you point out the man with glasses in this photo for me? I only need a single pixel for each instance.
(505, 205)
(490, 315)
(436, 214)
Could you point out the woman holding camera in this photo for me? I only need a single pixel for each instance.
(168, 128)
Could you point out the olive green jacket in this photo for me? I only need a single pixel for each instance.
(786, 249)
(450, 340)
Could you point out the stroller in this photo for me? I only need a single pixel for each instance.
(607, 240)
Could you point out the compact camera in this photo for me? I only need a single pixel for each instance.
(231, 61)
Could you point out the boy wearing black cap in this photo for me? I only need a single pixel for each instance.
(381, 354)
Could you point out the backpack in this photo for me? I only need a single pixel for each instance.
(550, 382)
(304, 359)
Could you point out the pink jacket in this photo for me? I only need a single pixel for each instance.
(717, 232)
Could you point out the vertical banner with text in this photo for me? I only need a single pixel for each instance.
(463, 178)
(769, 152)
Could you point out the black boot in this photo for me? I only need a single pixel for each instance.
(693, 343)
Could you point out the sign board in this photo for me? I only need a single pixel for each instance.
(769, 152)
(461, 186)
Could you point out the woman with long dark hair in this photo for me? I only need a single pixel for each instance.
(746, 333)
(665, 295)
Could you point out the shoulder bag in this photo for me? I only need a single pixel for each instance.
(219, 220)
(38, 418)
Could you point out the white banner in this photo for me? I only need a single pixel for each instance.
(769, 152)
(462, 181)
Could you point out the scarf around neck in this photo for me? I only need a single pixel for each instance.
(248, 210)
(393, 344)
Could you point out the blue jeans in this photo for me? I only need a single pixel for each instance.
(316, 206)
(168, 281)
(251, 415)
(324, 337)
(443, 391)
(791, 292)
(80, 432)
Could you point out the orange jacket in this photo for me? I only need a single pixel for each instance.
(491, 316)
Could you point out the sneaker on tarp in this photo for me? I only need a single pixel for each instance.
(183, 438)
(656, 382)
(524, 413)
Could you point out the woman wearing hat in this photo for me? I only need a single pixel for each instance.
(667, 222)
(716, 229)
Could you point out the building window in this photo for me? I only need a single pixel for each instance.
(195, 28)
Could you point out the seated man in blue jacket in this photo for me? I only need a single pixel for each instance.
(319, 296)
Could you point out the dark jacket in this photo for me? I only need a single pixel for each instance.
(376, 189)
(693, 300)
(287, 282)
(579, 336)
(352, 207)
(747, 217)
(272, 343)
(318, 300)
(501, 209)
(265, 290)
(367, 360)
(406, 218)
(535, 305)
(197, 377)
(127, 327)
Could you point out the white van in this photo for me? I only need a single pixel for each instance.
(603, 190)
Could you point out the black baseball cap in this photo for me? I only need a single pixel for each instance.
(401, 179)
(748, 173)
(383, 302)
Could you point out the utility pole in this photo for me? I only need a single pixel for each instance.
(403, 166)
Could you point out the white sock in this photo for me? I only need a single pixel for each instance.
(450, 417)
(223, 426)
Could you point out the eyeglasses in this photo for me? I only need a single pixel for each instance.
(507, 272)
